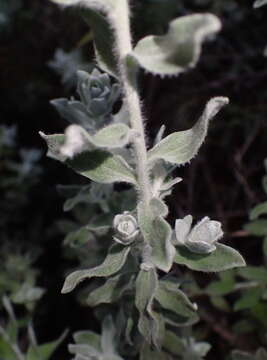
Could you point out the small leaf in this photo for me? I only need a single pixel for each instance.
(102, 167)
(54, 143)
(89, 338)
(223, 258)
(259, 3)
(112, 264)
(258, 211)
(180, 147)
(179, 50)
(112, 136)
(157, 233)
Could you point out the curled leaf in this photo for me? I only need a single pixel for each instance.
(180, 147)
(180, 48)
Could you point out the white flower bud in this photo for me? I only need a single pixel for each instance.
(201, 238)
(126, 228)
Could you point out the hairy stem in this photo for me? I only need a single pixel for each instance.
(128, 78)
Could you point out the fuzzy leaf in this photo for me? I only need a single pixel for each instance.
(88, 337)
(157, 233)
(112, 264)
(180, 147)
(173, 299)
(146, 286)
(102, 167)
(108, 336)
(258, 211)
(223, 258)
(111, 291)
(112, 136)
(179, 50)
(174, 344)
(54, 143)
(259, 3)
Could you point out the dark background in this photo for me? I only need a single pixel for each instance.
(223, 181)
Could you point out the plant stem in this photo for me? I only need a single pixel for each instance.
(128, 78)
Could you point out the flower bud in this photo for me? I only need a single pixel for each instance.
(126, 228)
(201, 238)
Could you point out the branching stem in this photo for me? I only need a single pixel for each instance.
(128, 78)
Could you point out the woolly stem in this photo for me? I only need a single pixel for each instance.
(128, 78)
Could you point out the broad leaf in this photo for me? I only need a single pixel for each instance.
(102, 167)
(111, 265)
(180, 147)
(157, 233)
(223, 258)
(259, 3)
(179, 50)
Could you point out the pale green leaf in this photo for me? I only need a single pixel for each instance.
(223, 258)
(54, 143)
(173, 299)
(258, 211)
(157, 233)
(180, 147)
(259, 3)
(102, 167)
(88, 338)
(111, 291)
(112, 136)
(178, 50)
(158, 207)
(108, 337)
(146, 286)
(173, 343)
(113, 263)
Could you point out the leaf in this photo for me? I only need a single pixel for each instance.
(157, 233)
(146, 286)
(259, 3)
(249, 299)
(54, 143)
(180, 147)
(111, 291)
(112, 136)
(257, 227)
(223, 258)
(178, 50)
(84, 352)
(148, 354)
(102, 167)
(258, 211)
(108, 338)
(173, 299)
(89, 338)
(113, 263)
(173, 343)
(44, 351)
(257, 273)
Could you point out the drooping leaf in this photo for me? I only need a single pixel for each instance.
(180, 147)
(178, 50)
(146, 286)
(157, 233)
(113, 263)
(102, 167)
(259, 3)
(223, 258)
